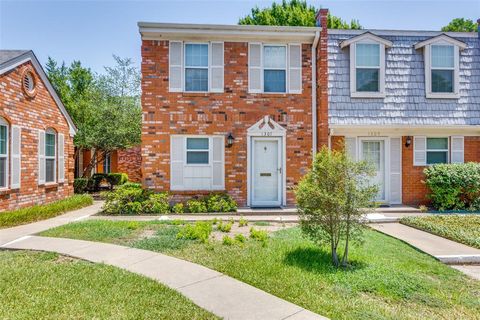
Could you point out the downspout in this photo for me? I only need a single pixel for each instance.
(314, 92)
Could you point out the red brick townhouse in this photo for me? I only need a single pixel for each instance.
(404, 100)
(231, 108)
(36, 135)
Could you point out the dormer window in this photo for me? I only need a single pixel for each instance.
(367, 65)
(442, 66)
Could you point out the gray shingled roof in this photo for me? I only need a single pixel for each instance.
(7, 55)
(405, 102)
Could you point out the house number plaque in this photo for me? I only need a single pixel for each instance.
(267, 133)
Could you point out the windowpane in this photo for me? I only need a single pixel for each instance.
(442, 80)
(442, 56)
(274, 80)
(3, 172)
(197, 157)
(367, 55)
(197, 143)
(274, 57)
(196, 79)
(49, 170)
(437, 143)
(49, 145)
(437, 157)
(367, 80)
(196, 55)
(3, 140)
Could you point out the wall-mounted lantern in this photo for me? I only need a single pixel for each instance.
(230, 139)
(408, 142)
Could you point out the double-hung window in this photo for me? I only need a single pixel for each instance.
(3, 153)
(197, 151)
(274, 68)
(442, 68)
(437, 150)
(50, 155)
(196, 67)
(367, 67)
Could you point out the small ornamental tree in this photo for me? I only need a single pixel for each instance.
(333, 198)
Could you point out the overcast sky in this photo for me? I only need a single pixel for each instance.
(92, 30)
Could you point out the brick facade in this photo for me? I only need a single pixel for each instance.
(31, 114)
(128, 161)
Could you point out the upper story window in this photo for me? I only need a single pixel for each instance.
(3, 153)
(275, 68)
(367, 65)
(196, 67)
(50, 155)
(442, 66)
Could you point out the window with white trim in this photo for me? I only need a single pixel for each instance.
(367, 67)
(197, 150)
(437, 150)
(275, 68)
(196, 67)
(50, 155)
(442, 68)
(3, 153)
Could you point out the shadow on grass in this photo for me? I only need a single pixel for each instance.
(317, 260)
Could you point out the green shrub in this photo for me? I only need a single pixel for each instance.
(117, 179)
(259, 235)
(127, 199)
(454, 186)
(201, 231)
(220, 202)
(196, 206)
(80, 185)
(240, 238)
(178, 208)
(41, 212)
(224, 227)
(157, 203)
(227, 241)
(95, 180)
(242, 222)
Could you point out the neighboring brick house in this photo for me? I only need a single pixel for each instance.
(36, 135)
(405, 100)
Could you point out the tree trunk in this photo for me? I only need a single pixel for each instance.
(334, 254)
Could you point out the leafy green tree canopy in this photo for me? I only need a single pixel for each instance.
(461, 25)
(293, 13)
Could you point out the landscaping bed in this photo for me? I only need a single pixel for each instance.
(37, 285)
(387, 279)
(42, 212)
(461, 228)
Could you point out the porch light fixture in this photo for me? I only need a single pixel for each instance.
(230, 139)
(408, 142)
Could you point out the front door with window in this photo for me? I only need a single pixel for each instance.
(266, 172)
(373, 151)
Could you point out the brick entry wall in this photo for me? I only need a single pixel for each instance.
(31, 114)
(129, 161)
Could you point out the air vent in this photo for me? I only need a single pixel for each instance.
(28, 82)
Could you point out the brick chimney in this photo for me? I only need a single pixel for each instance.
(322, 81)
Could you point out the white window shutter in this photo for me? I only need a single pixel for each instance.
(175, 62)
(16, 163)
(396, 170)
(351, 147)
(216, 67)
(419, 151)
(255, 83)
(218, 163)
(295, 68)
(61, 158)
(457, 149)
(177, 152)
(41, 157)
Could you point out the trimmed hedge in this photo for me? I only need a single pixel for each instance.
(41, 212)
(83, 185)
(454, 186)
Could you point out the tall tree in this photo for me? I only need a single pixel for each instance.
(293, 13)
(461, 25)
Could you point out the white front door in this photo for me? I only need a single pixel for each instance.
(266, 172)
(373, 151)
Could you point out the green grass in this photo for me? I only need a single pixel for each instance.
(387, 280)
(42, 212)
(461, 228)
(48, 286)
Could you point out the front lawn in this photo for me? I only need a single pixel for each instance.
(37, 285)
(388, 279)
(461, 228)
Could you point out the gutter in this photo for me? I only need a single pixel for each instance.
(314, 92)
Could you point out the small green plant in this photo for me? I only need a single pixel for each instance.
(80, 185)
(240, 238)
(227, 240)
(133, 225)
(242, 222)
(157, 203)
(259, 235)
(117, 179)
(215, 221)
(224, 226)
(220, 202)
(201, 231)
(178, 208)
(196, 206)
(423, 208)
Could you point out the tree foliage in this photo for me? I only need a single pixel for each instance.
(293, 13)
(461, 25)
(332, 199)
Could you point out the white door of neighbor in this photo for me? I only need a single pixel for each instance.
(266, 172)
(373, 151)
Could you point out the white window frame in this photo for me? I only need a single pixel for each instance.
(429, 68)
(209, 150)
(54, 157)
(4, 123)
(436, 150)
(285, 69)
(209, 50)
(353, 71)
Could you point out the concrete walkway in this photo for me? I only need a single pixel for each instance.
(209, 289)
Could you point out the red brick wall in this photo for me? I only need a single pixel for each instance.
(129, 161)
(235, 110)
(31, 114)
(322, 81)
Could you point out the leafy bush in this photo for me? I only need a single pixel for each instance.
(224, 227)
(117, 179)
(242, 222)
(157, 203)
(80, 185)
(96, 180)
(220, 202)
(259, 235)
(240, 238)
(41, 212)
(454, 186)
(196, 206)
(127, 199)
(227, 240)
(201, 231)
(178, 208)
